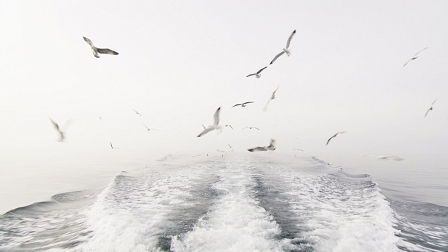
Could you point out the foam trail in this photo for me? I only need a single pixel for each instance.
(236, 222)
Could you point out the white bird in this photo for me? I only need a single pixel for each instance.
(286, 49)
(215, 124)
(97, 50)
(340, 132)
(59, 129)
(430, 107)
(271, 146)
(137, 112)
(257, 74)
(272, 98)
(415, 56)
(251, 128)
(242, 104)
(111, 146)
(148, 127)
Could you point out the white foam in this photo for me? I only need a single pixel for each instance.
(236, 222)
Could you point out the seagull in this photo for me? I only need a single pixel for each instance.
(137, 112)
(257, 74)
(271, 146)
(111, 146)
(387, 157)
(215, 124)
(340, 132)
(430, 107)
(229, 146)
(59, 129)
(286, 49)
(251, 128)
(97, 50)
(242, 104)
(228, 125)
(272, 98)
(148, 128)
(415, 56)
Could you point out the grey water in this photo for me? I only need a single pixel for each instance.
(237, 202)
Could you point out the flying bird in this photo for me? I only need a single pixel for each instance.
(415, 56)
(271, 146)
(111, 146)
(137, 112)
(388, 157)
(272, 98)
(242, 104)
(215, 124)
(59, 129)
(430, 107)
(148, 127)
(228, 125)
(286, 49)
(298, 149)
(97, 50)
(257, 74)
(251, 128)
(340, 132)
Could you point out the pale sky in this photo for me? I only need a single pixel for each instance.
(179, 61)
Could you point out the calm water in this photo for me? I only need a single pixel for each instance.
(238, 202)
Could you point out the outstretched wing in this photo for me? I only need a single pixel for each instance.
(106, 51)
(332, 138)
(248, 102)
(250, 75)
(236, 105)
(257, 149)
(290, 37)
(427, 111)
(88, 41)
(206, 131)
(276, 57)
(421, 50)
(216, 122)
(259, 71)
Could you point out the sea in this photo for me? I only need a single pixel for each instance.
(233, 202)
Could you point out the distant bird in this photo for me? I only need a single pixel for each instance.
(229, 146)
(298, 149)
(97, 50)
(415, 56)
(215, 124)
(387, 157)
(59, 129)
(228, 125)
(286, 49)
(137, 112)
(148, 127)
(340, 132)
(430, 107)
(251, 128)
(271, 146)
(242, 104)
(257, 74)
(111, 146)
(272, 98)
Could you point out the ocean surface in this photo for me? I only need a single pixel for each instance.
(233, 202)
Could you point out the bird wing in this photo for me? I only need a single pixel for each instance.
(106, 51)
(256, 128)
(290, 37)
(229, 126)
(259, 71)
(407, 62)
(248, 102)
(250, 75)
(216, 116)
(433, 102)
(266, 106)
(257, 149)
(332, 138)
(421, 50)
(427, 111)
(56, 126)
(88, 41)
(207, 130)
(276, 56)
(236, 105)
